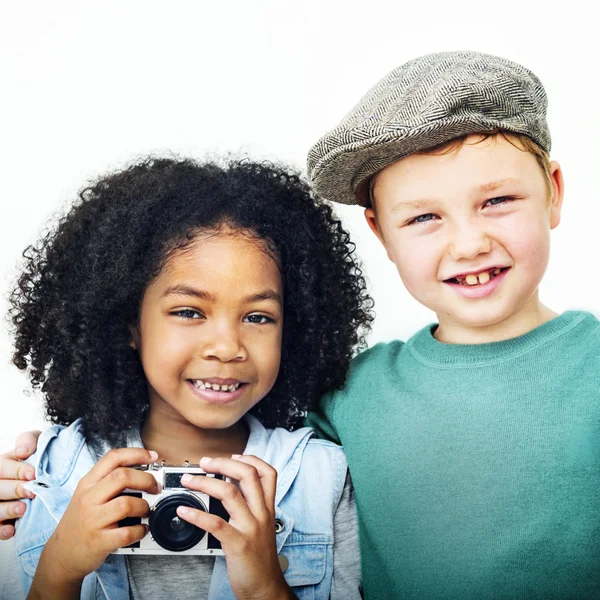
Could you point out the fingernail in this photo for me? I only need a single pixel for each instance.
(186, 478)
(19, 509)
(236, 456)
(183, 510)
(29, 494)
(205, 460)
(29, 475)
(153, 455)
(22, 450)
(5, 532)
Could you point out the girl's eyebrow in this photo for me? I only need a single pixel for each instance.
(266, 295)
(185, 290)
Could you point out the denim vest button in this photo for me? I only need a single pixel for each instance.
(284, 563)
(279, 526)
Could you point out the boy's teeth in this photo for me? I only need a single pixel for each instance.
(480, 278)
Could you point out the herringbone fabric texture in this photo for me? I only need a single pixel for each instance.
(426, 102)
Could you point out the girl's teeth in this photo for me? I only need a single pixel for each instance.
(483, 277)
(471, 280)
(201, 385)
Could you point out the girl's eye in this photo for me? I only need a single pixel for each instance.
(187, 313)
(257, 319)
(422, 219)
(498, 201)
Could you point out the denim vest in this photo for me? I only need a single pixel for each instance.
(311, 475)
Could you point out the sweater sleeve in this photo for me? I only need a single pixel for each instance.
(321, 419)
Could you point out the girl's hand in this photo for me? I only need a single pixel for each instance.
(13, 473)
(88, 531)
(248, 539)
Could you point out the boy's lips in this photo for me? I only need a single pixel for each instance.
(476, 276)
(478, 290)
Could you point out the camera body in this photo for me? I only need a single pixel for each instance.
(168, 534)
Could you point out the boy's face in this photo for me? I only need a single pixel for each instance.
(469, 233)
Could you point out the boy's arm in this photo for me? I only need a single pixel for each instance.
(321, 419)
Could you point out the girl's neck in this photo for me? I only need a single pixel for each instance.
(177, 440)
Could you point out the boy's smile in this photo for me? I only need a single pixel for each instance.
(469, 232)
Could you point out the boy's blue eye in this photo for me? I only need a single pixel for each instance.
(258, 319)
(498, 200)
(422, 218)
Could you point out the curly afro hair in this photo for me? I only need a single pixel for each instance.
(82, 285)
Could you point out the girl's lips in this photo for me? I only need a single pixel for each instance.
(481, 290)
(214, 397)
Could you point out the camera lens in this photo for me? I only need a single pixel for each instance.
(168, 530)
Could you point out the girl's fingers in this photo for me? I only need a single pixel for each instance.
(119, 480)
(13, 489)
(119, 537)
(230, 496)
(122, 507)
(247, 476)
(12, 468)
(11, 510)
(216, 526)
(121, 457)
(267, 475)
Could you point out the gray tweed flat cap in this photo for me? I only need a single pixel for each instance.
(426, 102)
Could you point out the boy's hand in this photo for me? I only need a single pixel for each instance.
(88, 531)
(248, 539)
(13, 474)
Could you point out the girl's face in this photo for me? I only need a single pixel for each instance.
(209, 332)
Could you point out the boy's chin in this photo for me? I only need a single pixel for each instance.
(483, 327)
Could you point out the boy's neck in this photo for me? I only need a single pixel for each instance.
(519, 324)
(177, 441)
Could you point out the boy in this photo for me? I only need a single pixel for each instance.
(474, 447)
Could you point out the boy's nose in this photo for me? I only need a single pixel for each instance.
(469, 242)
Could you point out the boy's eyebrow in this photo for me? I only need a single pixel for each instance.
(186, 290)
(494, 185)
(484, 188)
(416, 204)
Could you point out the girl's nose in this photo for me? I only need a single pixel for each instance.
(224, 344)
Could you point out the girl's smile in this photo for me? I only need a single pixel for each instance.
(218, 393)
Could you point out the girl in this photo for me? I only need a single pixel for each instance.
(179, 312)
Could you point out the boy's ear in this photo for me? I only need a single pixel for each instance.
(374, 225)
(372, 221)
(558, 192)
(134, 341)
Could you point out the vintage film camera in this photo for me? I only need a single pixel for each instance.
(168, 533)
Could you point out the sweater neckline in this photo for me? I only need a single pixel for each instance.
(428, 350)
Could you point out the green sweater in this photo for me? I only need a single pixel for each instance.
(476, 468)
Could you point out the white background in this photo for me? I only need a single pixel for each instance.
(87, 86)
